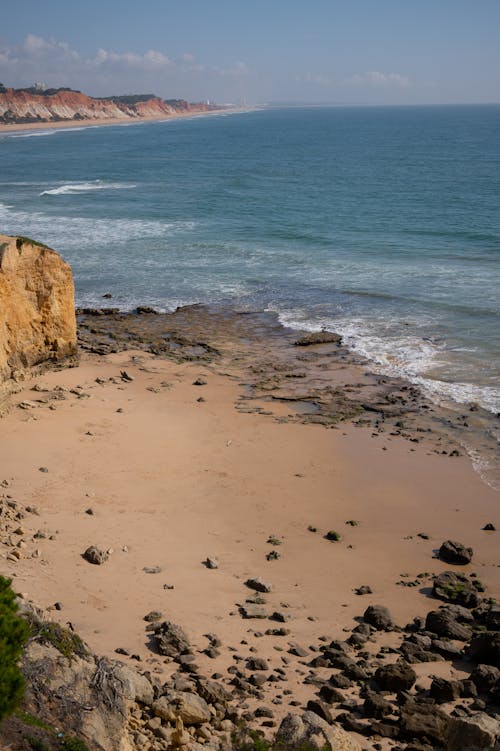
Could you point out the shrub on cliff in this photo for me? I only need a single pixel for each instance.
(14, 632)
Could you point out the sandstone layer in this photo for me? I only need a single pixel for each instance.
(37, 316)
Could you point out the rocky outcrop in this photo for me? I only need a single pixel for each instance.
(37, 315)
(56, 105)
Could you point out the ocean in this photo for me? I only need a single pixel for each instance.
(380, 223)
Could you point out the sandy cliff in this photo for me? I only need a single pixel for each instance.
(28, 106)
(37, 317)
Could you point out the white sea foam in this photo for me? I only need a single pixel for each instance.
(31, 134)
(399, 355)
(83, 187)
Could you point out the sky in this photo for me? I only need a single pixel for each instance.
(258, 51)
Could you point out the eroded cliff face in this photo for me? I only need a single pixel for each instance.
(37, 314)
(25, 106)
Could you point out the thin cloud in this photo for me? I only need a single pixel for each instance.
(376, 78)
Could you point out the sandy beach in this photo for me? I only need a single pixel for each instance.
(96, 122)
(162, 463)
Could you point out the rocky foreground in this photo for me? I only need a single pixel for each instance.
(200, 569)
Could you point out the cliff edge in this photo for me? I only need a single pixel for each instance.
(37, 313)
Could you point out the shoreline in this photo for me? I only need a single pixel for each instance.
(200, 451)
(91, 123)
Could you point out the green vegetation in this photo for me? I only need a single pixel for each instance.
(130, 98)
(72, 743)
(27, 240)
(65, 641)
(14, 634)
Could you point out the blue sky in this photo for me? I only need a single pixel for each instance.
(362, 51)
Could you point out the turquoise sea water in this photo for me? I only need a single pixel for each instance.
(380, 223)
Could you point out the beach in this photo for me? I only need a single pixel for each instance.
(172, 459)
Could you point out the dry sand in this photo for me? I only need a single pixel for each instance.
(172, 480)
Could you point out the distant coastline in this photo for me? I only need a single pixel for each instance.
(34, 108)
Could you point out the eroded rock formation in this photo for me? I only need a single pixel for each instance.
(37, 314)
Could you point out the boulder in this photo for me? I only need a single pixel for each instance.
(455, 552)
(485, 648)
(424, 721)
(310, 731)
(37, 314)
(379, 617)
(258, 584)
(443, 690)
(318, 337)
(479, 731)
(171, 640)
(442, 623)
(486, 678)
(191, 708)
(396, 677)
(95, 555)
(456, 588)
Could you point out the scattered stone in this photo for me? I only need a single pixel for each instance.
(95, 555)
(152, 569)
(310, 731)
(379, 617)
(125, 376)
(424, 721)
(363, 590)
(43, 469)
(258, 584)
(153, 615)
(273, 555)
(199, 382)
(211, 563)
(478, 731)
(191, 708)
(455, 552)
(333, 536)
(281, 617)
(485, 648)
(257, 663)
(444, 690)
(297, 650)
(89, 512)
(352, 523)
(251, 610)
(489, 527)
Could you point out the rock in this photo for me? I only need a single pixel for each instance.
(331, 695)
(333, 536)
(443, 690)
(486, 678)
(191, 708)
(456, 588)
(258, 584)
(126, 376)
(424, 721)
(442, 623)
(310, 731)
(211, 563)
(95, 555)
(396, 677)
(379, 617)
(478, 731)
(376, 706)
(318, 337)
(171, 640)
(145, 310)
(135, 686)
(199, 382)
(455, 552)
(153, 615)
(251, 610)
(321, 709)
(257, 663)
(365, 589)
(37, 314)
(485, 648)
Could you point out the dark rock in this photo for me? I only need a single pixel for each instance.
(455, 552)
(387, 729)
(376, 706)
(145, 310)
(378, 616)
(478, 731)
(446, 649)
(456, 588)
(489, 527)
(424, 721)
(442, 623)
(340, 681)
(263, 712)
(96, 556)
(152, 616)
(486, 678)
(318, 337)
(330, 694)
(258, 584)
(297, 650)
(443, 690)
(396, 677)
(199, 382)
(365, 589)
(485, 648)
(333, 536)
(171, 640)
